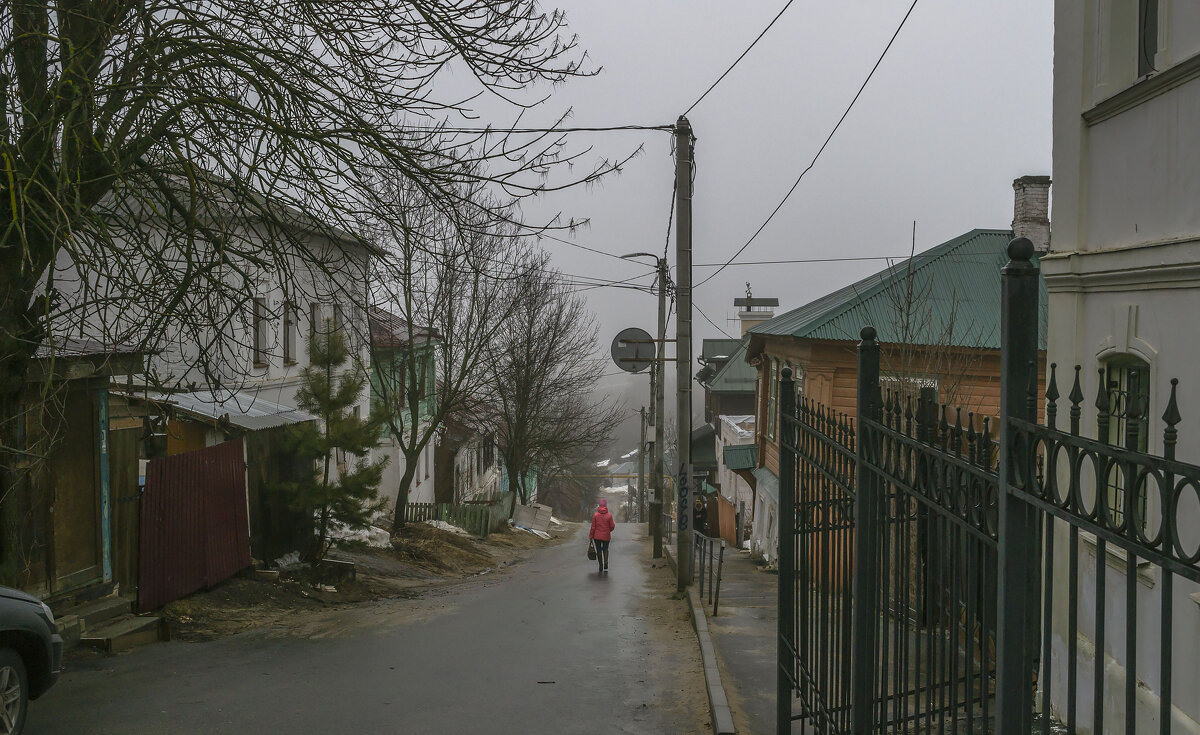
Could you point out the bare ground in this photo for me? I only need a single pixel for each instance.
(424, 559)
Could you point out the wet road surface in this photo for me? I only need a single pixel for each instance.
(548, 646)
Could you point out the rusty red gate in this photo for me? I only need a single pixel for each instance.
(195, 529)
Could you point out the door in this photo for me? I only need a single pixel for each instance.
(75, 505)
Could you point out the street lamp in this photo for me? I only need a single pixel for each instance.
(656, 402)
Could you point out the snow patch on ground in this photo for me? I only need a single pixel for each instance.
(447, 527)
(372, 536)
(616, 490)
(556, 522)
(534, 531)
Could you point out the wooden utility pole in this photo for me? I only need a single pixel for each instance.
(656, 508)
(683, 344)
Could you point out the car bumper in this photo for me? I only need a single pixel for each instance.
(56, 656)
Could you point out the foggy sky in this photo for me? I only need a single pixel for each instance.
(959, 108)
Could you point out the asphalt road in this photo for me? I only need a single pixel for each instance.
(548, 646)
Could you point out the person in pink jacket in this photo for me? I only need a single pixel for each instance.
(602, 527)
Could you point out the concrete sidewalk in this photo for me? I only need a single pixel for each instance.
(743, 635)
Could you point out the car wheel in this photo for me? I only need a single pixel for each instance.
(14, 692)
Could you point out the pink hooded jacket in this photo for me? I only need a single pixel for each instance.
(602, 523)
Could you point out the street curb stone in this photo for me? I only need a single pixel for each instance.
(718, 702)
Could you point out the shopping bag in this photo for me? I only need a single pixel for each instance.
(591, 550)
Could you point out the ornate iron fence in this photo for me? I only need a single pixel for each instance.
(933, 579)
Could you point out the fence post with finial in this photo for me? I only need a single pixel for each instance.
(1019, 550)
(786, 557)
(867, 532)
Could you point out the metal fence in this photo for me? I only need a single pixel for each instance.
(194, 526)
(947, 573)
(708, 557)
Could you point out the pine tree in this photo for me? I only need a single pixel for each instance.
(335, 492)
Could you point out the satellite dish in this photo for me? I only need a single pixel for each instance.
(633, 350)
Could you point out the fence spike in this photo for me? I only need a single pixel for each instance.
(956, 436)
(1052, 396)
(972, 446)
(1171, 417)
(1076, 398)
(944, 427)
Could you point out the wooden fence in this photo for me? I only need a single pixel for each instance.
(475, 519)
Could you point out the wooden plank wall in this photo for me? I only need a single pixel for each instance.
(124, 449)
(831, 374)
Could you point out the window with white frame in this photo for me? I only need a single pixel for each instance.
(1128, 381)
(1147, 37)
(289, 333)
(259, 329)
(772, 395)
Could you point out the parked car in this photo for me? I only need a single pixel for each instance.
(30, 655)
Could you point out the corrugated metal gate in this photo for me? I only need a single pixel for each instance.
(195, 529)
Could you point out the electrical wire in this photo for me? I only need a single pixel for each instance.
(739, 58)
(670, 219)
(801, 260)
(820, 150)
(710, 321)
(578, 129)
(582, 247)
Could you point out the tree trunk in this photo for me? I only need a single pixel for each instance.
(410, 471)
(20, 335)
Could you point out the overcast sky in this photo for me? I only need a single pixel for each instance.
(960, 107)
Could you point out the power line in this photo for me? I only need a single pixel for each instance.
(710, 321)
(579, 129)
(801, 260)
(582, 247)
(820, 150)
(738, 60)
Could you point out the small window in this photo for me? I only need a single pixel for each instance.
(314, 319)
(772, 396)
(289, 334)
(1147, 36)
(339, 320)
(1128, 425)
(260, 332)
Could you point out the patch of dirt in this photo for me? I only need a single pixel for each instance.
(422, 558)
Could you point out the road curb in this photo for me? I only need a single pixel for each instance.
(718, 702)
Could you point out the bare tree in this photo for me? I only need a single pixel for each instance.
(542, 380)
(442, 294)
(161, 155)
(937, 346)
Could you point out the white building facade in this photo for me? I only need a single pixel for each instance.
(1124, 284)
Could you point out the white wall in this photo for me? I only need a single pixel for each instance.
(1124, 280)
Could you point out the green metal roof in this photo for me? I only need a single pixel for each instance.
(704, 447)
(956, 288)
(711, 349)
(741, 456)
(736, 376)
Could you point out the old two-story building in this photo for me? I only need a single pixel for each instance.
(220, 375)
(1124, 287)
(937, 316)
(404, 384)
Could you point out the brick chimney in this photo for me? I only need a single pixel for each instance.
(1031, 211)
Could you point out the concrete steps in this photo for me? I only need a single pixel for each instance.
(108, 624)
(125, 632)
